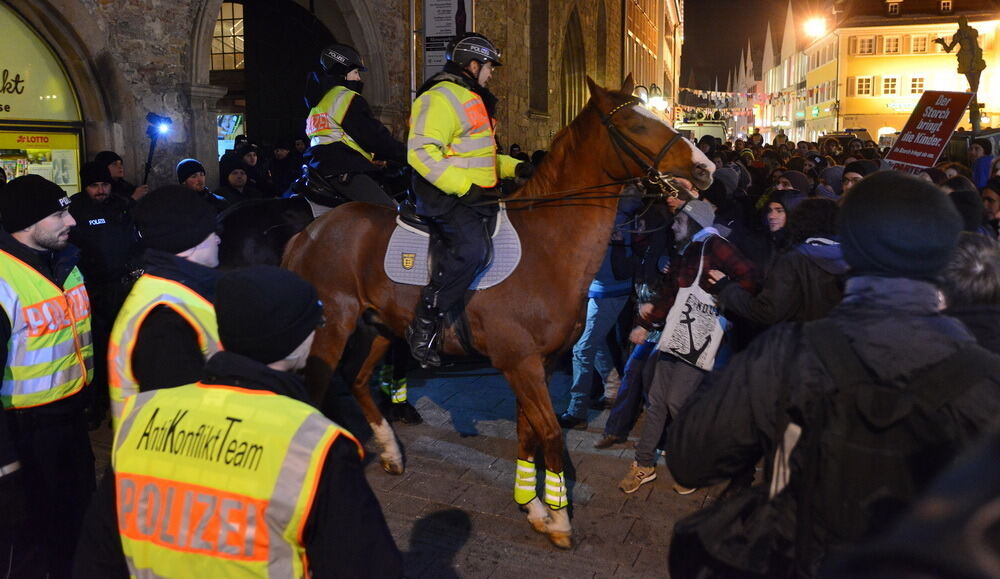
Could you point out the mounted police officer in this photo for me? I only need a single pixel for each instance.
(452, 150)
(346, 140)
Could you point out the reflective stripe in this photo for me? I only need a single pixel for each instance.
(398, 389)
(469, 156)
(148, 293)
(182, 509)
(325, 123)
(555, 490)
(524, 482)
(49, 351)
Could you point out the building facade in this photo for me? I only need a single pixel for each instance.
(218, 68)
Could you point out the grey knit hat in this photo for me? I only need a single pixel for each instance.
(701, 212)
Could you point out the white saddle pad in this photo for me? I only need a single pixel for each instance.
(406, 256)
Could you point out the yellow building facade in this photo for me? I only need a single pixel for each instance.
(882, 71)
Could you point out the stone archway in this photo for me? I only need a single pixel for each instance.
(102, 125)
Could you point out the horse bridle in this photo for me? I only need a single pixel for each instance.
(661, 184)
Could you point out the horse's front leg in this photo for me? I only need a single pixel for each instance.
(527, 379)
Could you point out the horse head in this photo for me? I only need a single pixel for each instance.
(643, 144)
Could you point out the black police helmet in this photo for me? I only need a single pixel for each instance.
(472, 46)
(340, 59)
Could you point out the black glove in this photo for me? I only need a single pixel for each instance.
(524, 170)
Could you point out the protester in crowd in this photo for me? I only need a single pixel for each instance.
(699, 249)
(991, 204)
(843, 477)
(953, 169)
(167, 328)
(319, 519)
(805, 282)
(854, 173)
(795, 181)
(119, 186)
(109, 253)
(971, 287)
(981, 160)
(831, 183)
(933, 174)
(607, 296)
(191, 174)
(46, 463)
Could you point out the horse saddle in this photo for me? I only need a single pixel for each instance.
(406, 258)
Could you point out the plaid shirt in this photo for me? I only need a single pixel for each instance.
(720, 255)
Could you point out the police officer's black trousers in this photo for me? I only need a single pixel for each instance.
(460, 248)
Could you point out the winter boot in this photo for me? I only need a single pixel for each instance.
(422, 336)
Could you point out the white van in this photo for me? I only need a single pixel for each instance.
(695, 130)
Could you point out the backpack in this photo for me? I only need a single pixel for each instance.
(863, 453)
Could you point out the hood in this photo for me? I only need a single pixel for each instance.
(825, 253)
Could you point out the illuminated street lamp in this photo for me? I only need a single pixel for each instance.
(656, 100)
(642, 93)
(815, 27)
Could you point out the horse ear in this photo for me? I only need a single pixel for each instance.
(629, 85)
(595, 90)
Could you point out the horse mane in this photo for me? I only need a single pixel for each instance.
(567, 140)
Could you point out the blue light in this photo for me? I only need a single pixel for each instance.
(164, 128)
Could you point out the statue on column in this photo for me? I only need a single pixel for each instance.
(970, 61)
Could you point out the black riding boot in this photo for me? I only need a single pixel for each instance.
(422, 335)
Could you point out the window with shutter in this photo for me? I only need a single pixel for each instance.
(851, 86)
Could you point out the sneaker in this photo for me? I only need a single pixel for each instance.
(636, 477)
(609, 440)
(682, 490)
(570, 421)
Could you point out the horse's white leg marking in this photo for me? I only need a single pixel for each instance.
(390, 454)
(559, 520)
(538, 515)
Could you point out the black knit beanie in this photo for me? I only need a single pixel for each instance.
(94, 172)
(188, 167)
(970, 206)
(27, 200)
(107, 157)
(174, 219)
(265, 312)
(896, 225)
(862, 168)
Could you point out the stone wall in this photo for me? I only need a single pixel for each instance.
(130, 57)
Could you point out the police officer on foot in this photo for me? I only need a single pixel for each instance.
(345, 137)
(254, 482)
(46, 463)
(167, 329)
(452, 149)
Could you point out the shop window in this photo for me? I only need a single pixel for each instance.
(946, 6)
(864, 86)
(227, 40)
(917, 85)
(890, 85)
(890, 44)
(866, 45)
(918, 44)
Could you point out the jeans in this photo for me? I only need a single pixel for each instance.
(628, 402)
(591, 351)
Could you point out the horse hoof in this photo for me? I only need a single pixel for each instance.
(561, 539)
(392, 467)
(540, 525)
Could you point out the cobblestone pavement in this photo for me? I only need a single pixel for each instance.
(452, 512)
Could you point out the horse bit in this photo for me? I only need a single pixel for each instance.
(656, 183)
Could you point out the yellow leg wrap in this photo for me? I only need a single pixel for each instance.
(524, 482)
(555, 490)
(398, 388)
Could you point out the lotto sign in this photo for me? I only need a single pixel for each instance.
(928, 130)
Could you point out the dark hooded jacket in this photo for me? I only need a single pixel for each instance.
(893, 325)
(804, 284)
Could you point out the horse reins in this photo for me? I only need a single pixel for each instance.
(666, 185)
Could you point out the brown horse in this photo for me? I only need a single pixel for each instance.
(523, 323)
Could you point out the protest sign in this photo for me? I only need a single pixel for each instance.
(928, 130)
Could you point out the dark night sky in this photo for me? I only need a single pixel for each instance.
(715, 31)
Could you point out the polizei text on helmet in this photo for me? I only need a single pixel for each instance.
(211, 442)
